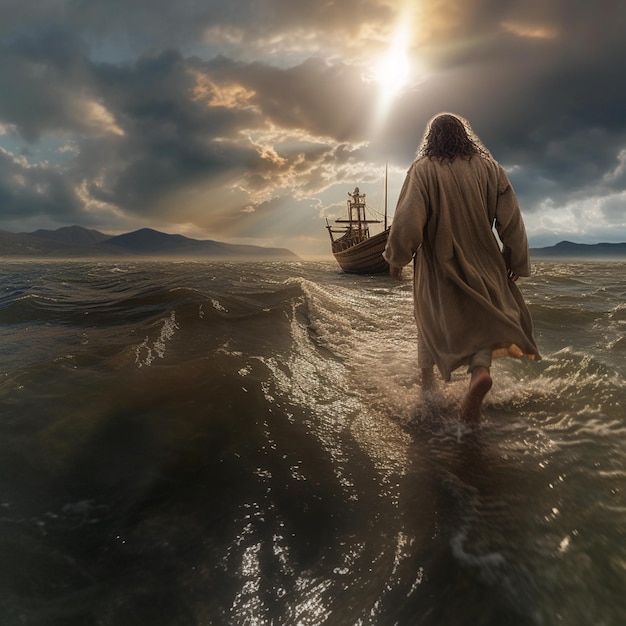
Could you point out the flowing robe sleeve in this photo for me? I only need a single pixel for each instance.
(409, 221)
(510, 226)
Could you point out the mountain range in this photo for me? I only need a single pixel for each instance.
(570, 250)
(78, 242)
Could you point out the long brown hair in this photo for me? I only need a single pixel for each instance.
(449, 136)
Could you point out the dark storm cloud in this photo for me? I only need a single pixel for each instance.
(34, 191)
(167, 136)
(41, 73)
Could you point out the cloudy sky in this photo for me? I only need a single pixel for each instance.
(248, 121)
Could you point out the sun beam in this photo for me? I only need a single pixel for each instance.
(392, 72)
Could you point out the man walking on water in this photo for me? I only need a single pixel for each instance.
(468, 308)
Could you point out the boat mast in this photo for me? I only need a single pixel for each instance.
(385, 195)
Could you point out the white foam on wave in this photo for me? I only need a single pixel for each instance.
(147, 351)
(365, 382)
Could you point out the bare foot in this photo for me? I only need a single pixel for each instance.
(480, 384)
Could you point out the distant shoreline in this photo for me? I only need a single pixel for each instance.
(566, 250)
(75, 242)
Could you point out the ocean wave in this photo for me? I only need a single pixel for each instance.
(260, 431)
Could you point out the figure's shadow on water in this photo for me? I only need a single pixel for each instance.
(475, 571)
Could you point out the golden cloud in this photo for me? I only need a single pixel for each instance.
(530, 31)
(228, 95)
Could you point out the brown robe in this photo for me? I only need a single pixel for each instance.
(464, 301)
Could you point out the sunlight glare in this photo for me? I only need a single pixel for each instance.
(392, 71)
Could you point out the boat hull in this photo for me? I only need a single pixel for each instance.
(365, 257)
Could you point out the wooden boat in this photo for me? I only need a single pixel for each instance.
(355, 250)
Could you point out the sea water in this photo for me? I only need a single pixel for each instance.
(195, 443)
